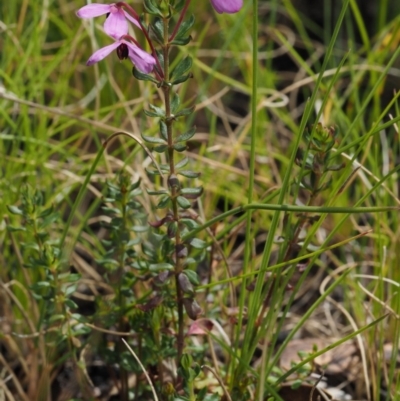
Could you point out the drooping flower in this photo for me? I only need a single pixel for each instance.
(142, 60)
(227, 6)
(116, 24)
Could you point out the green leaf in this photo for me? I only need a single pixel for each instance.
(164, 202)
(153, 139)
(186, 136)
(81, 331)
(189, 223)
(160, 57)
(72, 278)
(180, 147)
(157, 267)
(78, 317)
(107, 262)
(135, 185)
(198, 243)
(189, 174)
(55, 318)
(141, 76)
(110, 210)
(186, 361)
(46, 212)
(196, 369)
(15, 229)
(155, 111)
(152, 172)
(150, 113)
(159, 192)
(178, 5)
(15, 210)
(190, 261)
(31, 245)
(134, 241)
(160, 148)
(48, 220)
(181, 79)
(70, 290)
(183, 31)
(69, 303)
(192, 193)
(39, 285)
(183, 41)
(192, 276)
(175, 103)
(163, 130)
(183, 202)
(182, 67)
(151, 8)
(296, 384)
(185, 27)
(139, 229)
(185, 112)
(336, 167)
(182, 163)
(172, 228)
(158, 30)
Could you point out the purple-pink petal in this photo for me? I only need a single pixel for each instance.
(116, 25)
(143, 61)
(93, 10)
(227, 6)
(133, 20)
(102, 53)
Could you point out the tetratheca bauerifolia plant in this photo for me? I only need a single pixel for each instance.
(169, 256)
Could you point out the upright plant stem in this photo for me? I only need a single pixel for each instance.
(121, 302)
(169, 121)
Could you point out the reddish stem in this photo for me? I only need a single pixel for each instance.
(134, 14)
(131, 39)
(178, 24)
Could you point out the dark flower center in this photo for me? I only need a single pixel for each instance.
(122, 51)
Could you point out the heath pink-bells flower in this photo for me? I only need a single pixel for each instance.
(227, 6)
(116, 24)
(142, 60)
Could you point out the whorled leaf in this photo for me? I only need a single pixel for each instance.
(183, 66)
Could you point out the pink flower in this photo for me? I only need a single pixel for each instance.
(200, 327)
(116, 24)
(142, 60)
(227, 6)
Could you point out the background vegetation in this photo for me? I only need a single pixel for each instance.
(328, 274)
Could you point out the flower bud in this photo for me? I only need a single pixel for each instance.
(192, 308)
(173, 181)
(181, 251)
(185, 285)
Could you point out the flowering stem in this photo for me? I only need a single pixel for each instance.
(175, 209)
(121, 298)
